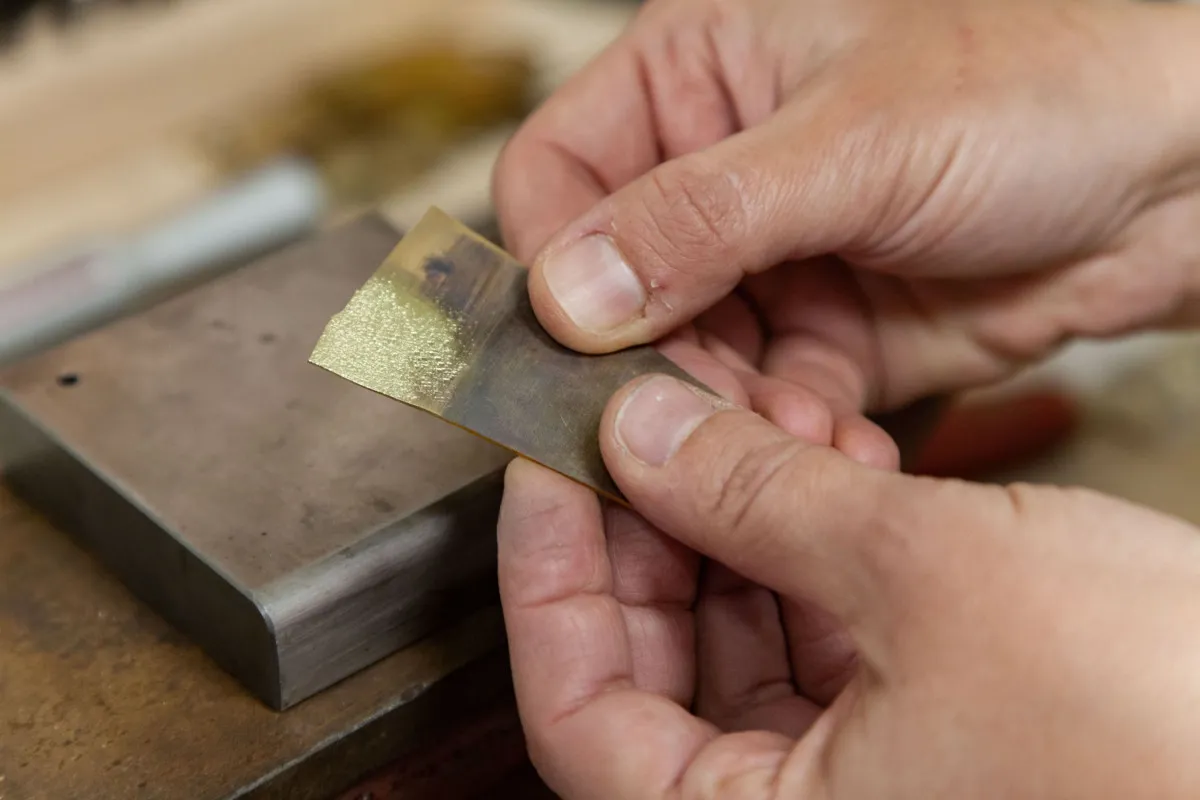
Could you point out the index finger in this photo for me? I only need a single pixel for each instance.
(594, 135)
(571, 658)
(591, 731)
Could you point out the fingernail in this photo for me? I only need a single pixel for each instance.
(658, 417)
(593, 285)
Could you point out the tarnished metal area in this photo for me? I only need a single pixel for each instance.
(445, 325)
(296, 527)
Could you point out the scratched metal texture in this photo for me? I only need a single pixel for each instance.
(295, 526)
(445, 325)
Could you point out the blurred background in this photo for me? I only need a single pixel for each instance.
(146, 145)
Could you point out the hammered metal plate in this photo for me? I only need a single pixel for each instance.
(445, 325)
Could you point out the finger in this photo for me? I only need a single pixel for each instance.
(650, 96)
(799, 407)
(555, 169)
(800, 519)
(793, 408)
(822, 368)
(556, 588)
(690, 356)
(807, 415)
(572, 663)
(735, 323)
(840, 386)
(654, 580)
(864, 441)
(822, 654)
(744, 677)
(822, 332)
(669, 245)
(822, 338)
(789, 405)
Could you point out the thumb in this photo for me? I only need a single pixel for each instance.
(800, 519)
(667, 246)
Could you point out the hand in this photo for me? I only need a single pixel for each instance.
(952, 187)
(800, 411)
(1020, 642)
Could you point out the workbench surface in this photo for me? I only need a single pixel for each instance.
(99, 698)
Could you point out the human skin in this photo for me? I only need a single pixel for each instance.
(1019, 642)
(831, 208)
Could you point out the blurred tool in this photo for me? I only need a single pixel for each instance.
(374, 128)
(978, 437)
(15, 14)
(91, 285)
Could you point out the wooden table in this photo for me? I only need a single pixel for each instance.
(100, 698)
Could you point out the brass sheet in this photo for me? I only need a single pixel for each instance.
(445, 325)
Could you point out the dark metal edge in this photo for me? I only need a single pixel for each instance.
(472, 692)
(151, 561)
(397, 585)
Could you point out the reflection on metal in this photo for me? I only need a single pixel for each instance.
(445, 325)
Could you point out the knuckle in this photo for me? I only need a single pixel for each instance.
(903, 536)
(537, 521)
(752, 480)
(541, 558)
(885, 540)
(814, 414)
(693, 209)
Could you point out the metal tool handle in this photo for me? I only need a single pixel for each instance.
(94, 284)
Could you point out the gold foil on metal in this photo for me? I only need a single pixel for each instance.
(396, 342)
(445, 325)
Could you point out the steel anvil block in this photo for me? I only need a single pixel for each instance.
(297, 527)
